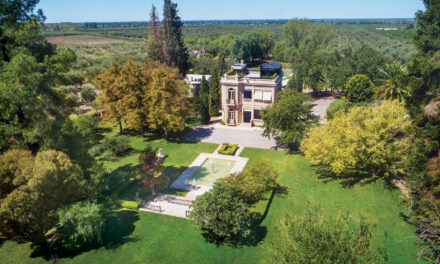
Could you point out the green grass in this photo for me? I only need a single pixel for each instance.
(139, 237)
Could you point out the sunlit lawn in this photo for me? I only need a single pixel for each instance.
(138, 237)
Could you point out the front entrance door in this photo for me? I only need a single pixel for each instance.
(247, 116)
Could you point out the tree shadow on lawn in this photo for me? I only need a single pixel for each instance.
(257, 235)
(119, 176)
(119, 225)
(174, 137)
(351, 177)
(129, 193)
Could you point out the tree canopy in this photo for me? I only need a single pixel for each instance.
(366, 138)
(148, 95)
(359, 89)
(289, 117)
(38, 190)
(222, 214)
(318, 238)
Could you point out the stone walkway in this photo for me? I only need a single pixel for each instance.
(320, 107)
(167, 204)
(180, 206)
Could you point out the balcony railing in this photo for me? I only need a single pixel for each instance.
(230, 101)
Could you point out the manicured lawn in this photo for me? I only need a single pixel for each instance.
(138, 237)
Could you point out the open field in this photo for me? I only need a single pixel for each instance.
(82, 39)
(140, 237)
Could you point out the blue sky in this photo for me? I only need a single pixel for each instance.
(138, 10)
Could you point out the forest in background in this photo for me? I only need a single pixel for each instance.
(98, 44)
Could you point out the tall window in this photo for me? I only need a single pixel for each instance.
(257, 114)
(248, 94)
(231, 94)
(231, 115)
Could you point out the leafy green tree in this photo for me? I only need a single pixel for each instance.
(308, 69)
(80, 224)
(32, 111)
(422, 165)
(349, 62)
(203, 101)
(88, 126)
(249, 46)
(30, 210)
(222, 214)
(15, 170)
(88, 94)
(259, 178)
(318, 238)
(175, 46)
(14, 17)
(239, 49)
(202, 65)
(114, 146)
(364, 138)
(359, 89)
(215, 87)
(428, 28)
(289, 117)
(220, 45)
(268, 40)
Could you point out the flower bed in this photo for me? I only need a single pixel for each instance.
(228, 149)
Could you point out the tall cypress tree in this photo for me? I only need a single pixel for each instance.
(203, 101)
(172, 26)
(215, 86)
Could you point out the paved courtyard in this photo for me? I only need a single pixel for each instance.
(243, 136)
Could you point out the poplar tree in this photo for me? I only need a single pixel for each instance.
(172, 28)
(215, 87)
(156, 49)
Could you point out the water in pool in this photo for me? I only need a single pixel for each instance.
(210, 171)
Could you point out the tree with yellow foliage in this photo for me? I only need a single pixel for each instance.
(143, 96)
(366, 138)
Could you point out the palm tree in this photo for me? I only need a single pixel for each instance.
(392, 83)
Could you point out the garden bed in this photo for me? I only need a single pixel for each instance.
(228, 149)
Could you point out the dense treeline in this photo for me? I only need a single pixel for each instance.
(214, 38)
(45, 166)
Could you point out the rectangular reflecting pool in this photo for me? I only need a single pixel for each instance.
(210, 171)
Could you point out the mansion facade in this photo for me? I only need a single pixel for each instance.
(245, 92)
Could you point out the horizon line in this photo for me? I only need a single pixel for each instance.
(252, 19)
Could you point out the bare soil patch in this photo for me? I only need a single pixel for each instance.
(82, 39)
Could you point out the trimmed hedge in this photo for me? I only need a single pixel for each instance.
(129, 204)
(228, 149)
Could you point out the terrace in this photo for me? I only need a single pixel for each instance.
(268, 70)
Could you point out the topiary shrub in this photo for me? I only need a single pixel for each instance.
(228, 149)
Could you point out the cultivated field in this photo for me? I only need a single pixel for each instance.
(82, 40)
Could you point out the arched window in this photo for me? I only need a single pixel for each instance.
(231, 94)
